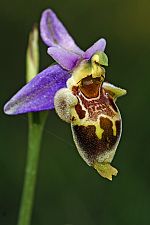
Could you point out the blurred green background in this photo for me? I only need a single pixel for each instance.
(68, 191)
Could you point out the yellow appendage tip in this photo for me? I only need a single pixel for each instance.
(105, 170)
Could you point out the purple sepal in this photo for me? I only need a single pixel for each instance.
(54, 33)
(66, 59)
(97, 46)
(39, 93)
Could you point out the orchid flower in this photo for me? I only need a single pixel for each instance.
(75, 87)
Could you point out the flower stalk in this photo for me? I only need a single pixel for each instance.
(36, 122)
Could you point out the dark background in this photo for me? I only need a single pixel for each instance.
(68, 191)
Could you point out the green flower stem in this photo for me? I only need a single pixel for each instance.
(34, 142)
(36, 125)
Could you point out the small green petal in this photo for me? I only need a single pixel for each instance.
(101, 58)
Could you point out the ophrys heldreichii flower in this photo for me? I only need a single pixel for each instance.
(75, 87)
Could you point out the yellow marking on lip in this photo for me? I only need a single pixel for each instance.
(114, 119)
(99, 131)
(85, 122)
(114, 127)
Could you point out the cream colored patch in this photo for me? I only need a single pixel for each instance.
(64, 100)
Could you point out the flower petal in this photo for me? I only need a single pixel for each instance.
(54, 33)
(65, 58)
(39, 93)
(98, 46)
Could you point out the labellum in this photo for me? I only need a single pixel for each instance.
(88, 103)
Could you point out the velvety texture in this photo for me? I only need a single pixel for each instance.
(39, 93)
